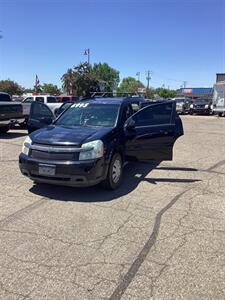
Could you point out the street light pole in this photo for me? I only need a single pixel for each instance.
(138, 76)
(87, 52)
(148, 78)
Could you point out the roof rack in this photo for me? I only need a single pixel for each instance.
(112, 94)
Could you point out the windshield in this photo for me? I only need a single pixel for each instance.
(201, 101)
(180, 101)
(92, 115)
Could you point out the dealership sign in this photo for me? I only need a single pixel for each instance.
(187, 91)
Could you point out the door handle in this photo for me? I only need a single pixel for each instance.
(164, 132)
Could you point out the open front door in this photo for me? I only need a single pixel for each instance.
(153, 133)
(40, 116)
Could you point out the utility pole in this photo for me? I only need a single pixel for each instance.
(184, 84)
(87, 52)
(148, 78)
(138, 76)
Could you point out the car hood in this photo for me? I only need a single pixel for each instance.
(58, 135)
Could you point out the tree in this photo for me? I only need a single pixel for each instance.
(107, 75)
(50, 88)
(85, 81)
(166, 93)
(130, 85)
(11, 87)
(150, 93)
(80, 80)
(29, 90)
(68, 81)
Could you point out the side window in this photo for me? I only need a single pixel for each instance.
(40, 99)
(154, 115)
(126, 113)
(29, 100)
(5, 97)
(40, 110)
(51, 100)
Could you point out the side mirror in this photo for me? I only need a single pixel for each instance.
(129, 124)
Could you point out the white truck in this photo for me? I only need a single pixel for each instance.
(49, 100)
(219, 99)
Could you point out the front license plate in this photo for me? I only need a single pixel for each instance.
(46, 170)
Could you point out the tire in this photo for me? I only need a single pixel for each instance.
(115, 173)
(4, 129)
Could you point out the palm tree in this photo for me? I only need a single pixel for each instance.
(68, 82)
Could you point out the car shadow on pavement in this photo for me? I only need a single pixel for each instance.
(170, 180)
(177, 169)
(12, 135)
(134, 173)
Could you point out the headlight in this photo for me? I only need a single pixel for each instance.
(191, 106)
(97, 150)
(26, 145)
(206, 106)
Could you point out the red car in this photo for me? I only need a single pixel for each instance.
(64, 98)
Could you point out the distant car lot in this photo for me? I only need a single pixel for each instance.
(159, 236)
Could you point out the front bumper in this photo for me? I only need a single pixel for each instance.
(68, 173)
(200, 110)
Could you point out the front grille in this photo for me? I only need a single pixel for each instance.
(53, 156)
(200, 106)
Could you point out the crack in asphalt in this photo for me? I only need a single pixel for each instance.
(128, 277)
(134, 268)
(21, 212)
(219, 164)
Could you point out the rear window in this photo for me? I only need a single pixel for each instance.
(5, 97)
(51, 100)
(10, 109)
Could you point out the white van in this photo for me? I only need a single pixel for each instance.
(50, 101)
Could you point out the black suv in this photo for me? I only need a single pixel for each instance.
(90, 141)
(200, 106)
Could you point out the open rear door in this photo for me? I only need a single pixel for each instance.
(154, 132)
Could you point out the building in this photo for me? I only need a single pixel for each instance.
(194, 93)
(220, 77)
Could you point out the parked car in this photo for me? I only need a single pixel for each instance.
(183, 105)
(200, 106)
(5, 97)
(11, 113)
(90, 141)
(49, 100)
(64, 98)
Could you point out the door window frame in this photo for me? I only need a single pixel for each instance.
(152, 106)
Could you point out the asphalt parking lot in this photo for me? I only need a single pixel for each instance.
(160, 236)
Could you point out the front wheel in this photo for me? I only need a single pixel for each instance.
(114, 176)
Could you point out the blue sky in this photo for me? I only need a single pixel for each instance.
(176, 39)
